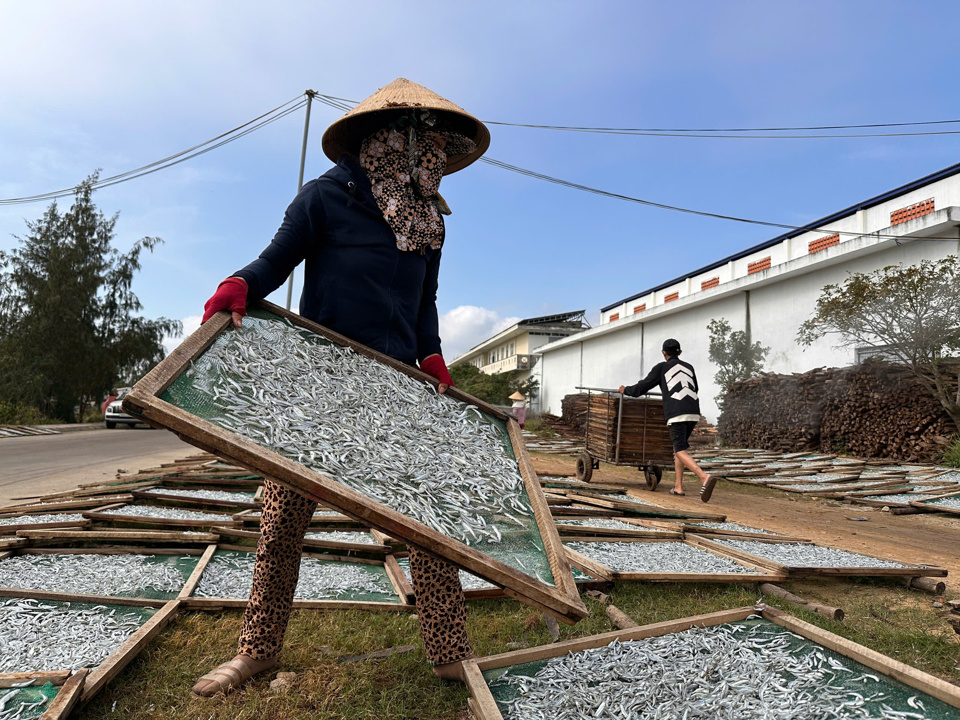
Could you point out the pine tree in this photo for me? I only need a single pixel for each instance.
(70, 327)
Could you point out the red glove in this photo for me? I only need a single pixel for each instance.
(231, 295)
(434, 365)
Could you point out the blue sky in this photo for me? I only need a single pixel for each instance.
(117, 85)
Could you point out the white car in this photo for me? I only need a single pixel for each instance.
(116, 416)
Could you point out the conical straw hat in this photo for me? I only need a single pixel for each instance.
(346, 134)
(516, 396)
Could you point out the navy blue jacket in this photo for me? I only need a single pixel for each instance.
(356, 281)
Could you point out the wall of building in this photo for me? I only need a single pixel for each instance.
(774, 302)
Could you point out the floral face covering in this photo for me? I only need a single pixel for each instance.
(405, 168)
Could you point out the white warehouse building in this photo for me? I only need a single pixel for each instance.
(767, 290)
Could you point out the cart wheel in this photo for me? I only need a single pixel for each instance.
(584, 466)
(653, 474)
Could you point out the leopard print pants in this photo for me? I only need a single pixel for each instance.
(286, 516)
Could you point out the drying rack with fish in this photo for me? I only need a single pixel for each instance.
(751, 662)
(625, 431)
(369, 436)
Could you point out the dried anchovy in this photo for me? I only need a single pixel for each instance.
(90, 573)
(806, 555)
(166, 513)
(39, 636)
(368, 426)
(603, 523)
(364, 538)
(657, 557)
(950, 502)
(48, 518)
(732, 526)
(15, 707)
(204, 494)
(467, 581)
(898, 499)
(230, 575)
(829, 487)
(726, 671)
(317, 514)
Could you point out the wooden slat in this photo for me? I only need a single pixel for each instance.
(13, 529)
(198, 603)
(142, 401)
(194, 579)
(484, 704)
(80, 597)
(67, 698)
(37, 536)
(128, 650)
(940, 689)
(517, 657)
(39, 677)
(56, 507)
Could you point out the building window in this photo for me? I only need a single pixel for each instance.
(639, 308)
(758, 266)
(884, 352)
(711, 283)
(823, 243)
(615, 316)
(909, 213)
(672, 296)
(511, 349)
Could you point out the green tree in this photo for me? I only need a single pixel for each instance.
(494, 389)
(735, 356)
(910, 314)
(69, 323)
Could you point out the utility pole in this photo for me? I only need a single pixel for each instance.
(303, 161)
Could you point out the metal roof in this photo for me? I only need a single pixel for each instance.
(889, 195)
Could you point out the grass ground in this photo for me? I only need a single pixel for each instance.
(880, 614)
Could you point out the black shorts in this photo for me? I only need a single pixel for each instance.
(680, 434)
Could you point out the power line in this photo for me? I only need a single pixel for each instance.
(675, 208)
(720, 135)
(344, 104)
(236, 133)
(737, 130)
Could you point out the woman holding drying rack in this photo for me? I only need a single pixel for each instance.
(370, 233)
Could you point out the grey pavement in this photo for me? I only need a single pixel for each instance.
(39, 464)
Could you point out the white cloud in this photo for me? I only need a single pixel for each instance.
(190, 324)
(468, 325)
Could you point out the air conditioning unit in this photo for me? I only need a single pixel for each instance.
(523, 362)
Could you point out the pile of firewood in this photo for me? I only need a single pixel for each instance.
(883, 411)
(777, 412)
(574, 410)
(870, 410)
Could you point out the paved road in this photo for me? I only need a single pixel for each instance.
(41, 464)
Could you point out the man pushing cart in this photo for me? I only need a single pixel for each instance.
(681, 408)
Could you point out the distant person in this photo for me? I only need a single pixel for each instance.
(519, 408)
(681, 408)
(106, 403)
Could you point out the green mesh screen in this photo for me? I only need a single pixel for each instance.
(886, 692)
(237, 584)
(521, 547)
(26, 703)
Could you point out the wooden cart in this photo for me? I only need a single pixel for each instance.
(625, 431)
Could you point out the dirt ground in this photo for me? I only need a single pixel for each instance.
(930, 539)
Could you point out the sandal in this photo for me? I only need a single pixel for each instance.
(230, 675)
(674, 492)
(707, 489)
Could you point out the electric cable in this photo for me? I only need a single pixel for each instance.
(676, 208)
(224, 138)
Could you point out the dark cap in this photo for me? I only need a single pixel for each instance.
(671, 346)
